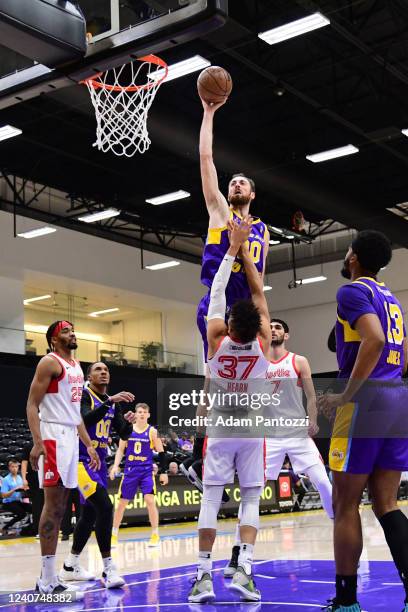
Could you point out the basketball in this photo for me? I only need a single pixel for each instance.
(214, 84)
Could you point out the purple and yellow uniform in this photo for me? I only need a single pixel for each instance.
(138, 472)
(379, 407)
(217, 244)
(98, 414)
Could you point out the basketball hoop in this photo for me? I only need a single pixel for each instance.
(122, 110)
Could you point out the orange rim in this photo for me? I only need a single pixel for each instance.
(152, 59)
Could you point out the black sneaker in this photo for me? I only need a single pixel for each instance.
(231, 568)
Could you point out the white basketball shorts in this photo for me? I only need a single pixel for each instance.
(61, 464)
(224, 456)
(302, 452)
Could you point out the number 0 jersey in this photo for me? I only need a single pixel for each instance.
(364, 296)
(62, 401)
(217, 244)
(139, 450)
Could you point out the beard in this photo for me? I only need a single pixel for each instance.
(278, 341)
(238, 200)
(73, 345)
(345, 271)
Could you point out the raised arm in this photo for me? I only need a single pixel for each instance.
(255, 282)
(216, 326)
(217, 205)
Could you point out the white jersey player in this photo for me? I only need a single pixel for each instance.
(237, 355)
(55, 394)
(289, 375)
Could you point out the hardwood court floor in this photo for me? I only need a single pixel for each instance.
(293, 568)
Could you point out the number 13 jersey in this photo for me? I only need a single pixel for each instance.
(368, 296)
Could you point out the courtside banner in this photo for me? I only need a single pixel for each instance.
(278, 407)
(179, 500)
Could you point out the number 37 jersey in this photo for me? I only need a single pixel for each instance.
(368, 296)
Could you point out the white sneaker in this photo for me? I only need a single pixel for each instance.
(56, 587)
(111, 579)
(75, 573)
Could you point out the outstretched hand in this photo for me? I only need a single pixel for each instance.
(239, 232)
(212, 106)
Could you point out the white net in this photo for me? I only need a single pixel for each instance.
(122, 110)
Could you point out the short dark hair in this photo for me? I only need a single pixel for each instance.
(51, 330)
(373, 250)
(246, 320)
(282, 322)
(250, 181)
(12, 460)
(91, 365)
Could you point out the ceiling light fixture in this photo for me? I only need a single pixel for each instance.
(8, 131)
(100, 312)
(267, 288)
(162, 266)
(311, 279)
(294, 28)
(332, 153)
(274, 242)
(179, 69)
(41, 231)
(36, 299)
(405, 132)
(169, 197)
(98, 216)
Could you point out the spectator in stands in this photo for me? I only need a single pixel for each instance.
(164, 442)
(172, 442)
(30, 480)
(297, 485)
(12, 489)
(173, 468)
(185, 444)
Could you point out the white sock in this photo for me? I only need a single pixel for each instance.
(72, 560)
(107, 563)
(204, 563)
(237, 535)
(48, 569)
(245, 558)
(155, 531)
(115, 531)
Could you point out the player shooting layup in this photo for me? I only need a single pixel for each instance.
(241, 192)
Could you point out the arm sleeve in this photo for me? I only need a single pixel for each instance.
(217, 306)
(354, 301)
(122, 427)
(92, 417)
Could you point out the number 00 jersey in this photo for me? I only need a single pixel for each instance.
(62, 401)
(364, 296)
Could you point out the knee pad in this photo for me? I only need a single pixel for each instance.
(210, 505)
(250, 506)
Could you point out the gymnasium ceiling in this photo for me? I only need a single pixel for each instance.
(345, 83)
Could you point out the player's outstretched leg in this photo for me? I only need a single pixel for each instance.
(231, 568)
(117, 519)
(202, 589)
(153, 518)
(243, 581)
(318, 476)
(98, 513)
